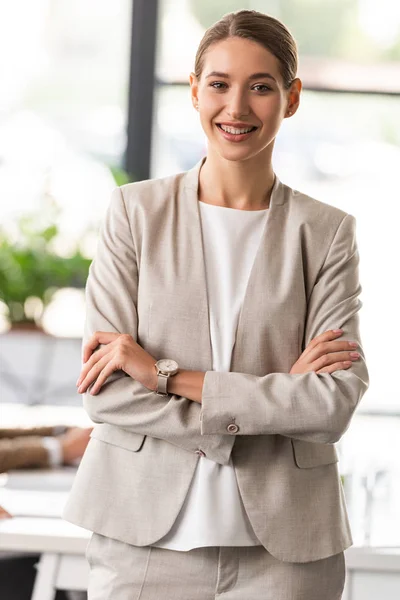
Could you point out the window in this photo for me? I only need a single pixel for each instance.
(341, 147)
(64, 69)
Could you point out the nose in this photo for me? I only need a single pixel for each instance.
(238, 105)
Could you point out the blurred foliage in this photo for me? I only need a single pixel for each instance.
(208, 13)
(331, 28)
(29, 267)
(121, 176)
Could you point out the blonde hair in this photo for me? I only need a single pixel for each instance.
(258, 27)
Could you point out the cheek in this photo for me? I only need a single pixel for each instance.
(211, 104)
(209, 111)
(271, 110)
(205, 122)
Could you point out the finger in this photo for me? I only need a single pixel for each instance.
(324, 337)
(4, 514)
(93, 373)
(337, 346)
(98, 355)
(100, 337)
(322, 361)
(310, 352)
(344, 364)
(334, 350)
(108, 369)
(342, 356)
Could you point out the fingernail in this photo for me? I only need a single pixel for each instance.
(79, 389)
(353, 344)
(338, 331)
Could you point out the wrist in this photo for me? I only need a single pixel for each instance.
(151, 380)
(154, 380)
(188, 384)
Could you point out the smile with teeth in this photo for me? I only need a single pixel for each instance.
(235, 131)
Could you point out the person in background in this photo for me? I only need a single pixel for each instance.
(49, 446)
(38, 447)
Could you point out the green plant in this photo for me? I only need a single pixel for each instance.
(31, 270)
(30, 267)
(121, 176)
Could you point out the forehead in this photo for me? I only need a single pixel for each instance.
(240, 56)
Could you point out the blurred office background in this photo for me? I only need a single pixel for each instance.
(96, 93)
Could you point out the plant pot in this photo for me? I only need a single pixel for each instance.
(26, 326)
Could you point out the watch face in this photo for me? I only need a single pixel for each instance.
(167, 365)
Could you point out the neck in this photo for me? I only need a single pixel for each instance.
(244, 185)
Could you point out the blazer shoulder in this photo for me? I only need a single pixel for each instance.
(149, 192)
(316, 213)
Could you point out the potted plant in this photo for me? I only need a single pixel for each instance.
(31, 271)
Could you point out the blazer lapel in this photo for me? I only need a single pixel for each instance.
(263, 302)
(191, 254)
(264, 286)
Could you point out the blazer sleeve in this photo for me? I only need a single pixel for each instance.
(111, 305)
(309, 406)
(22, 452)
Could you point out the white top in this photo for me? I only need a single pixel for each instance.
(213, 513)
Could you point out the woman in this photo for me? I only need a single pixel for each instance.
(212, 363)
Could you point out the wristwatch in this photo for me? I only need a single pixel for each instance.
(165, 367)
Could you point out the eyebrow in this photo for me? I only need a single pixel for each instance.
(260, 75)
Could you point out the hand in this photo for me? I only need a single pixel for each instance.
(325, 356)
(121, 352)
(4, 514)
(74, 442)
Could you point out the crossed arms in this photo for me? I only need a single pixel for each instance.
(313, 407)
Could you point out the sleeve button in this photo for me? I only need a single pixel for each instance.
(200, 452)
(232, 428)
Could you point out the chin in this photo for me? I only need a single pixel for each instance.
(236, 154)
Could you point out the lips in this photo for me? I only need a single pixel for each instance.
(235, 138)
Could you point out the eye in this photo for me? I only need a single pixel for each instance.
(220, 85)
(261, 85)
(217, 83)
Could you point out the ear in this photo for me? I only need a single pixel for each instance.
(294, 96)
(194, 87)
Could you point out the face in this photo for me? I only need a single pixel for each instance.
(233, 95)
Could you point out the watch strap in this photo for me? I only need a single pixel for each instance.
(162, 384)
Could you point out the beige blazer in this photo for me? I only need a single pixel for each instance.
(148, 280)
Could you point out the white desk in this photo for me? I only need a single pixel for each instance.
(62, 545)
(372, 573)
